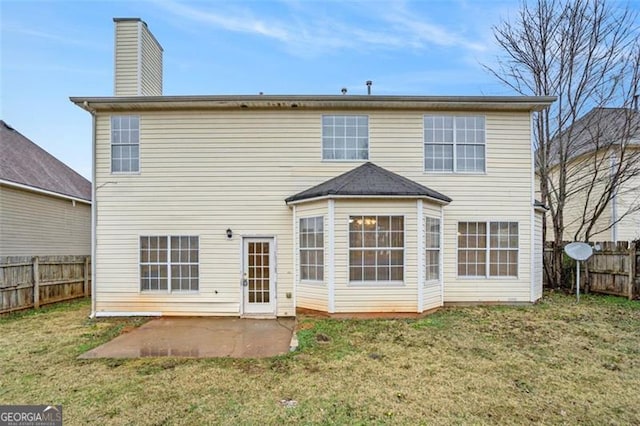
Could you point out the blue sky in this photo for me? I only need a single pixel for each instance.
(51, 50)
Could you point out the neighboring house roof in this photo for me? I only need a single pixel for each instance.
(540, 206)
(24, 163)
(327, 102)
(600, 128)
(368, 180)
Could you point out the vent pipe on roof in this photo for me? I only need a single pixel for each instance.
(369, 83)
(344, 90)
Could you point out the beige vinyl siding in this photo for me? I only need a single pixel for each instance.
(502, 193)
(432, 293)
(580, 171)
(537, 256)
(202, 172)
(127, 58)
(379, 297)
(628, 203)
(312, 295)
(33, 224)
(151, 65)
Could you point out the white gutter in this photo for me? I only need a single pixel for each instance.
(127, 314)
(386, 197)
(94, 209)
(43, 191)
(614, 206)
(295, 262)
(532, 220)
(467, 103)
(331, 273)
(421, 255)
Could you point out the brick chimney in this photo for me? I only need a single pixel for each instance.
(138, 59)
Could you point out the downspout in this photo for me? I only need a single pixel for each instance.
(94, 208)
(532, 219)
(614, 207)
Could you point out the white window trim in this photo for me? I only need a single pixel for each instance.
(324, 263)
(168, 264)
(395, 283)
(111, 144)
(455, 155)
(426, 249)
(487, 249)
(344, 160)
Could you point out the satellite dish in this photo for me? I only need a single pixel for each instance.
(578, 251)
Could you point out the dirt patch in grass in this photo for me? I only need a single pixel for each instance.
(554, 363)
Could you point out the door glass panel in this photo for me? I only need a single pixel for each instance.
(259, 284)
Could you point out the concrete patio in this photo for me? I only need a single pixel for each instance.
(201, 338)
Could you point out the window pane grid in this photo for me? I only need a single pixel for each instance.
(503, 259)
(489, 255)
(259, 270)
(376, 248)
(165, 260)
(312, 248)
(125, 141)
(345, 137)
(432, 247)
(454, 143)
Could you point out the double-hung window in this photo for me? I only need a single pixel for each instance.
(169, 263)
(432, 247)
(488, 254)
(345, 137)
(311, 248)
(454, 143)
(125, 144)
(376, 249)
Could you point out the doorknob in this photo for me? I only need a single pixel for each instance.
(245, 282)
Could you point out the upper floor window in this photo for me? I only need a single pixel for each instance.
(345, 137)
(454, 143)
(125, 144)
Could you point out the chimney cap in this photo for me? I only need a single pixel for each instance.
(127, 20)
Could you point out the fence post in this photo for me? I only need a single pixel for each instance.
(632, 269)
(36, 284)
(86, 277)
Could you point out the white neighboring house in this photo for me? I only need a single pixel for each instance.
(45, 207)
(267, 205)
(603, 140)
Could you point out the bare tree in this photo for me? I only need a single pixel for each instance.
(585, 52)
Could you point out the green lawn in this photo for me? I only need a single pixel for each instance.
(554, 363)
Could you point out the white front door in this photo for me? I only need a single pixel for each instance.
(258, 276)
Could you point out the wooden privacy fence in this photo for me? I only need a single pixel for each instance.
(613, 269)
(30, 282)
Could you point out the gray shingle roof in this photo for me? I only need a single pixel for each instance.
(369, 180)
(540, 204)
(600, 128)
(24, 162)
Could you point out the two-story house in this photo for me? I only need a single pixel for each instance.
(267, 205)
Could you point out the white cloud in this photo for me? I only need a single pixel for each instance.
(56, 38)
(242, 22)
(308, 29)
